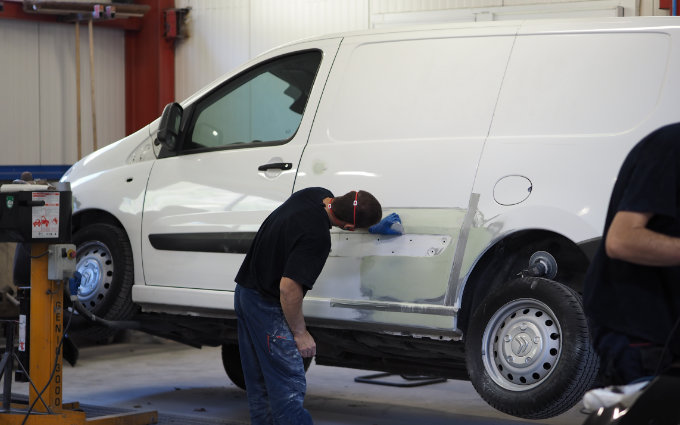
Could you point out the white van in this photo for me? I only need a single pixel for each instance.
(497, 143)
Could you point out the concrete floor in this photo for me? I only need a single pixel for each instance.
(154, 374)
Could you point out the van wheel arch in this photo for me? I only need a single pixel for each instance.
(510, 255)
(87, 217)
(495, 282)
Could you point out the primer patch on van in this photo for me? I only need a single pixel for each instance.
(413, 267)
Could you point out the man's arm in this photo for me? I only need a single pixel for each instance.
(628, 239)
(291, 303)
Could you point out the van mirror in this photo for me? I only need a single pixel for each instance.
(168, 129)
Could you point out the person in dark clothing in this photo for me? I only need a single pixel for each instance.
(282, 264)
(632, 288)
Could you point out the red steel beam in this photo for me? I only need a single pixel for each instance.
(149, 68)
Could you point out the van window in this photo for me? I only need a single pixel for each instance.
(581, 84)
(263, 105)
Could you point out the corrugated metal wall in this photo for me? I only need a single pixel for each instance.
(219, 40)
(38, 91)
(37, 72)
(19, 91)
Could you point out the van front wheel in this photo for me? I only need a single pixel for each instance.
(528, 349)
(104, 260)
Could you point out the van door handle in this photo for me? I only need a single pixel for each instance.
(276, 166)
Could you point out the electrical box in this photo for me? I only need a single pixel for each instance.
(35, 215)
(61, 261)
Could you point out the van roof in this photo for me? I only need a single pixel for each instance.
(490, 28)
(527, 26)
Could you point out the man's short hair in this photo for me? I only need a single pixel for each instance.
(368, 209)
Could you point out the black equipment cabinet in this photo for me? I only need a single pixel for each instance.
(35, 216)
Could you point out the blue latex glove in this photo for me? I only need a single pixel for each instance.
(390, 225)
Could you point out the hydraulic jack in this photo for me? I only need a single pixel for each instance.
(45, 405)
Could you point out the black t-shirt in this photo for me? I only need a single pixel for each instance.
(294, 242)
(642, 302)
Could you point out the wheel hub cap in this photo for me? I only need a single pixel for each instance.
(91, 271)
(95, 264)
(522, 344)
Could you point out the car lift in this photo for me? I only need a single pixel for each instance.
(21, 213)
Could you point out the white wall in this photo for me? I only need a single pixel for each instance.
(38, 91)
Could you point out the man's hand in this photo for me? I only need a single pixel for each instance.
(291, 304)
(305, 344)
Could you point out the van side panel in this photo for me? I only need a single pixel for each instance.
(571, 99)
(406, 120)
(571, 107)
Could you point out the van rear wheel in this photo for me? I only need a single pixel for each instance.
(528, 349)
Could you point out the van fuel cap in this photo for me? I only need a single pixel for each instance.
(511, 190)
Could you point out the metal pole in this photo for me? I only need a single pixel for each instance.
(78, 124)
(8, 363)
(94, 114)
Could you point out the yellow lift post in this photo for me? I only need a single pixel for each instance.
(45, 405)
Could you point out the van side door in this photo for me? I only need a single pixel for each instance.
(240, 149)
(405, 117)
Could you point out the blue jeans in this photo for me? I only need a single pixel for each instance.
(272, 365)
(623, 361)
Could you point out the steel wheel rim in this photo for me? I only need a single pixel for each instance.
(522, 344)
(95, 264)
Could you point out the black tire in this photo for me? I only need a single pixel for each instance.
(104, 259)
(528, 349)
(231, 360)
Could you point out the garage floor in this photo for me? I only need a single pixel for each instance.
(188, 385)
